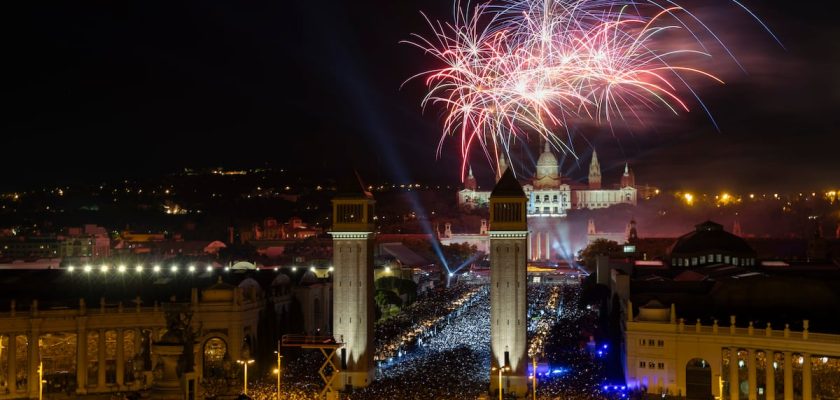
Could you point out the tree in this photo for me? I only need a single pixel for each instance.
(598, 246)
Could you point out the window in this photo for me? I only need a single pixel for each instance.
(734, 260)
(718, 258)
(642, 364)
(702, 259)
(555, 210)
(641, 342)
(726, 259)
(693, 260)
(651, 365)
(555, 198)
(545, 198)
(660, 343)
(650, 342)
(661, 365)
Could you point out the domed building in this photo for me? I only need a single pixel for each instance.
(710, 244)
(549, 198)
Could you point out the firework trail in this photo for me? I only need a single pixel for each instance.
(527, 69)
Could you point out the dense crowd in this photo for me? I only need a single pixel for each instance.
(394, 334)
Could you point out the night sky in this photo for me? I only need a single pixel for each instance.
(99, 90)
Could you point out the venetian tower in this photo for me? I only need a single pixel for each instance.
(508, 299)
(353, 313)
(594, 172)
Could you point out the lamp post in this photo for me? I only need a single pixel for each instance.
(534, 362)
(277, 371)
(501, 369)
(40, 380)
(245, 381)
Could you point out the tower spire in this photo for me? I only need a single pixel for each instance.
(594, 172)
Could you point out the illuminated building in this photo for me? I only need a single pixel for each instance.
(717, 322)
(109, 346)
(550, 197)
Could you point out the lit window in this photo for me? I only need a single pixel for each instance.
(726, 259)
(702, 259)
(718, 258)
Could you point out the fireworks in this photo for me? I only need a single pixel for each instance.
(525, 69)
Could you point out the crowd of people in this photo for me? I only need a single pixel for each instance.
(393, 335)
(440, 349)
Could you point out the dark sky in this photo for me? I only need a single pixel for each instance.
(104, 89)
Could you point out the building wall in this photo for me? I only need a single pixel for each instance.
(231, 320)
(671, 346)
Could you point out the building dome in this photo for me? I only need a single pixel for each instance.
(709, 244)
(281, 280)
(547, 170)
(654, 311)
(547, 159)
(220, 292)
(309, 278)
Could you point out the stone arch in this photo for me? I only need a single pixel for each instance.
(215, 355)
(698, 379)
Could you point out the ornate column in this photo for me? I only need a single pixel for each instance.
(530, 246)
(34, 359)
(120, 358)
(538, 244)
(547, 246)
(788, 376)
(734, 390)
(81, 355)
(12, 362)
(770, 375)
(100, 377)
(806, 377)
(751, 374)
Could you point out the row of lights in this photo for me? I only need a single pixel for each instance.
(123, 269)
(157, 268)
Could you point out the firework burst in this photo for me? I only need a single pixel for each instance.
(527, 69)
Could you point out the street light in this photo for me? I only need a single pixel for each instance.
(534, 361)
(502, 369)
(245, 381)
(277, 371)
(41, 380)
